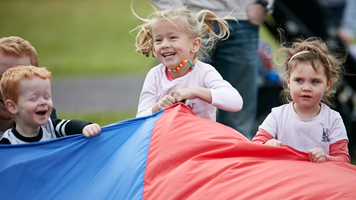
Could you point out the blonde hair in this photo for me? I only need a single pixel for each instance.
(11, 78)
(199, 25)
(318, 55)
(17, 46)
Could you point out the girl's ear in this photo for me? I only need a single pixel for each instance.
(328, 84)
(196, 45)
(11, 106)
(288, 81)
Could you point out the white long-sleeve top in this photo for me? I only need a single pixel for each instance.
(157, 85)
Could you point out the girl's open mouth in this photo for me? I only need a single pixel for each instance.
(168, 55)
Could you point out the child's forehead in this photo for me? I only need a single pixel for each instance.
(306, 66)
(175, 21)
(168, 26)
(34, 85)
(33, 79)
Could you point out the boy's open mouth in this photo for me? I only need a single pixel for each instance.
(41, 113)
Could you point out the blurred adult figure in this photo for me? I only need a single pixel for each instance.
(342, 18)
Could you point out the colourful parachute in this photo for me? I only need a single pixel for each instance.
(172, 154)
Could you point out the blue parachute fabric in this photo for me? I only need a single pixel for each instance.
(108, 166)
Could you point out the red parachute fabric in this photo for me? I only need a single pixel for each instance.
(194, 158)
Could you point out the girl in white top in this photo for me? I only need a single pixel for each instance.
(178, 38)
(305, 123)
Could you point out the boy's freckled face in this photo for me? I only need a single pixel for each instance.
(172, 44)
(6, 62)
(35, 103)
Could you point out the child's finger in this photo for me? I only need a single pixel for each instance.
(165, 102)
(312, 155)
(274, 142)
(316, 155)
(320, 157)
(97, 129)
(170, 100)
(178, 97)
(86, 133)
(278, 143)
(317, 158)
(90, 132)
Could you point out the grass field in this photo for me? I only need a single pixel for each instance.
(78, 37)
(99, 117)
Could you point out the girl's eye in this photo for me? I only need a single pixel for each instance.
(315, 81)
(299, 80)
(174, 37)
(158, 40)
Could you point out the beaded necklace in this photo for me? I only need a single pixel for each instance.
(181, 64)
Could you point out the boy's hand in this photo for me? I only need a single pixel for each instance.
(165, 102)
(316, 155)
(274, 142)
(91, 130)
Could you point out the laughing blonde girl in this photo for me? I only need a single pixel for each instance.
(178, 38)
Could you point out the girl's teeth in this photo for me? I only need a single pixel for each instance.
(170, 54)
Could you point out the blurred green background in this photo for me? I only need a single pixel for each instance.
(78, 37)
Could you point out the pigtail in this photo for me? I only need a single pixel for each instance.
(144, 38)
(208, 35)
(139, 18)
(144, 42)
(207, 18)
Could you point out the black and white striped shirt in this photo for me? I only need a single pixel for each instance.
(54, 128)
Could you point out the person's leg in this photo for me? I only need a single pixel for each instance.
(236, 59)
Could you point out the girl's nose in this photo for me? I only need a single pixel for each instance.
(165, 44)
(307, 88)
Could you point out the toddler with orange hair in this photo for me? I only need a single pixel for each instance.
(26, 93)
